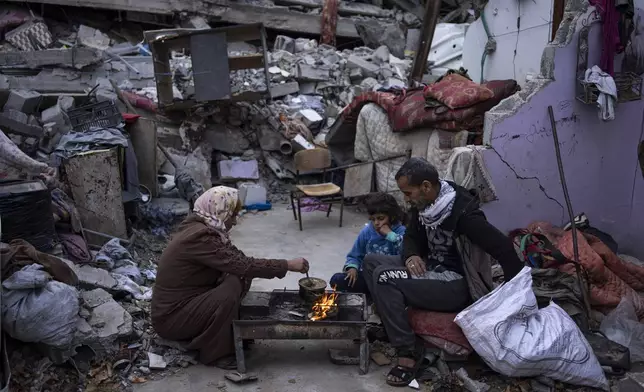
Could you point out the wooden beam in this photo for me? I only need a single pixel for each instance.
(276, 18)
(432, 12)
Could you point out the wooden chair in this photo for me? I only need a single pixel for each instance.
(327, 192)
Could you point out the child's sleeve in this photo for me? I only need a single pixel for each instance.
(358, 251)
(396, 238)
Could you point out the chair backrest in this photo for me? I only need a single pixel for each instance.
(315, 159)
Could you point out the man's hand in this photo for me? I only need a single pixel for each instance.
(384, 229)
(352, 276)
(416, 266)
(300, 265)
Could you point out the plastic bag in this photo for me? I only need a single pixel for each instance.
(517, 339)
(36, 309)
(622, 326)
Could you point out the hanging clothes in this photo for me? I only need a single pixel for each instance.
(610, 37)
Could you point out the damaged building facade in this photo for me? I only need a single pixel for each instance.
(600, 158)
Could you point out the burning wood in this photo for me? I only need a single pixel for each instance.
(325, 306)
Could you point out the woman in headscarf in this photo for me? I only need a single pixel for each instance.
(202, 278)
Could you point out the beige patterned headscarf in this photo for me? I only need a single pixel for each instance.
(216, 206)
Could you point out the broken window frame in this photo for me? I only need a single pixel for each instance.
(162, 42)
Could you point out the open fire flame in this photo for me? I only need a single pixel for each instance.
(325, 305)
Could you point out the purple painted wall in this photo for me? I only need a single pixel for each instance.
(599, 158)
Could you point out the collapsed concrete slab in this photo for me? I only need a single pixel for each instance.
(107, 318)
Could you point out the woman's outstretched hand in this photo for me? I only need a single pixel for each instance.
(300, 265)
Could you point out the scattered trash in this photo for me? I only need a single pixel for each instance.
(622, 326)
(469, 384)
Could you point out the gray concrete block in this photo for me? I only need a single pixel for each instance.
(311, 73)
(283, 89)
(56, 115)
(283, 42)
(24, 101)
(14, 121)
(107, 318)
(93, 278)
(307, 88)
(256, 304)
(238, 170)
(368, 68)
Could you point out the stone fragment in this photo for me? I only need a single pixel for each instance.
(311, 73)
(108, 319)
(256, 303)
(17, 122)
(238, 170)
(92, 278)
(381, 55)
(283, 89)
(58, 117)
(24, 101)
(355, 75)
(369, 69)
(283, 42)
(156, 361)
(304, 45)
(93, 38)
(226, 138)
(375, 33)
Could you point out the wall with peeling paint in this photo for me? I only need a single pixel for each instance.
(599, 158)
(521, 30)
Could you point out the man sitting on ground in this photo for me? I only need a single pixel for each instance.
(444, 266)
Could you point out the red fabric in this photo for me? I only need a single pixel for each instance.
(130, 118)
(140, 102)
(610, 33)
(409, 110)
(440, 325)
(610, 277)
(456, 91)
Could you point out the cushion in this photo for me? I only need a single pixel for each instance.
(456, 91)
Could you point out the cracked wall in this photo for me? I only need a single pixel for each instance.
(518, 27)
(599, 158)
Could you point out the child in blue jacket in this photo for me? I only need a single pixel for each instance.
(382, 235)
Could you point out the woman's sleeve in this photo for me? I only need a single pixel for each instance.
(227, 258)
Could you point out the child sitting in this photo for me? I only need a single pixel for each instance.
(383, 235)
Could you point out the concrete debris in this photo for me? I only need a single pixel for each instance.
(109, 320)
(376, 34)
(93, 38)
(23, 101)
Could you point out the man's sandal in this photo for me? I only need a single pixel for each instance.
(406, 374)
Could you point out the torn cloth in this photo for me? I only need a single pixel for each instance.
(20, 253)
(610, 277)
(75, 143)
(552, 285)
(607, 91)
(610, 32)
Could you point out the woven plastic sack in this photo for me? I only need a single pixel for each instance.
(36, 309)
(517, 339)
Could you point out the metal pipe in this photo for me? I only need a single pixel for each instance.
(575, 245)
(286, 147)
(432, 13)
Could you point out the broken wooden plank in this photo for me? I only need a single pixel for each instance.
(277, 18)
(73, 58)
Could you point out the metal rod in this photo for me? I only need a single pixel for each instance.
(432, 13)
(575, 245)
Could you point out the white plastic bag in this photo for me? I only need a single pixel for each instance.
(517, 339)
(622, 326)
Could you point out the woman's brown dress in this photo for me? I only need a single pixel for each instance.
(200, 281)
